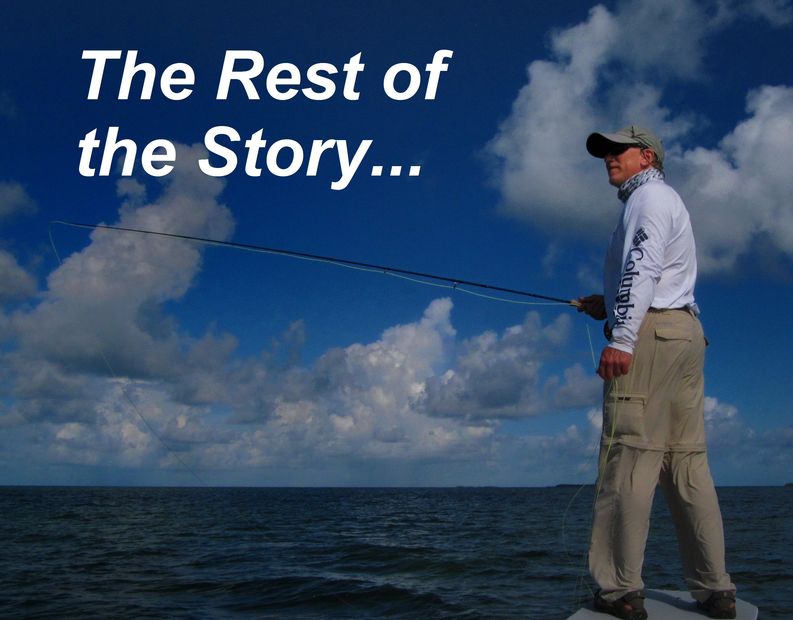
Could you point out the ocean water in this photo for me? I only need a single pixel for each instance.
(117, 553)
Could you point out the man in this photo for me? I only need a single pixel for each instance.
(653, 420)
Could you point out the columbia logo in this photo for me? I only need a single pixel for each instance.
(639, 237)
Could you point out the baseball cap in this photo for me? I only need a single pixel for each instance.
(598, 144)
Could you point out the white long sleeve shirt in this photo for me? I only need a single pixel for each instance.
(651, 261)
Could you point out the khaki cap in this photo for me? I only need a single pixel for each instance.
(599, 144)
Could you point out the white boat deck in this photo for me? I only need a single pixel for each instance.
(670, 605)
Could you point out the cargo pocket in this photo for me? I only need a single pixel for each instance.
(672, 332)
(624, 418)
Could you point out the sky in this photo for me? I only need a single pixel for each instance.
(452, 143)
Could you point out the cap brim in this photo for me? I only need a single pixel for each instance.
(599, 144)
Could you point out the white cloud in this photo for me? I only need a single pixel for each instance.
(14, 200)
(589, 275)
(743, 188)
(43, 391)
(366, 403)
(415, 395)
(742, 453)
(390, 399)
(15, 282)
(357, 406)
(723, 425)
(361, 400)
(663, 35)
(497, 377)
(777, 12)
(611, 70)
(545, 173)
(579, 388)
(102, 305)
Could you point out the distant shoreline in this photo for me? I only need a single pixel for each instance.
(563, 485)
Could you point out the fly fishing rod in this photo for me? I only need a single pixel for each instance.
(326, 259)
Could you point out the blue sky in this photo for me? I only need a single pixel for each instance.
(237, 368)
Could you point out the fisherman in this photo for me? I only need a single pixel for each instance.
(653, 397)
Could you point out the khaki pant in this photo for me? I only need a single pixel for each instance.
(653, 433)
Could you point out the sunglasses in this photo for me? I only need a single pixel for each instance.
(619, 149)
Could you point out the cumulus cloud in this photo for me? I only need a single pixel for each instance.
(361, 401)
(102, 305)
(15, 281)
(14, 200)
(735, 447)
(416, 394)
(386, 400)
(393, 398)
(497, 377)
(743, 188)
(46, 392)
(611, 70)
(723, 425)
(543, 172)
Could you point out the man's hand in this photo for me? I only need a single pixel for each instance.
(593, 305)
(614, 363)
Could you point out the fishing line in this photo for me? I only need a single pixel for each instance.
(450, 283)
(581, 582)
(454, 284)
(406, 274)
(602, 464)
(604, 458)
(591, 347)
(131, 402)
(572, 560)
